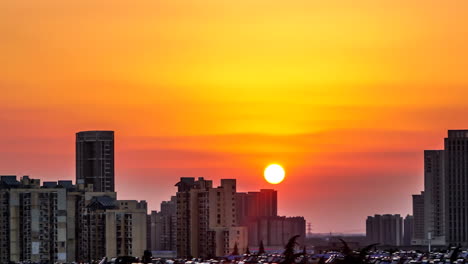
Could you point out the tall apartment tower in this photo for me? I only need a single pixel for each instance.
(418, 214)
(95, 159)
(456, 187)
(163, 227)
(256, 204)
(34, 222)
(434, 196)
(206, 219)
(408, 226)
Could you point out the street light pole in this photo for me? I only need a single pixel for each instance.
(429, 237)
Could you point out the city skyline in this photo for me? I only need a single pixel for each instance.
(58, 221)
(94, 135)
(345, 95)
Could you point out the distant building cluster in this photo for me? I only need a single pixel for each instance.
(385, 229)
(65, 222)
(206, 221)
(440, 212)
(62, 222)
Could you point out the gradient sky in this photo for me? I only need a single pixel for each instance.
(346, 95)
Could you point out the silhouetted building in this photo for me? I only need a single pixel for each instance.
(418, 215)
(259, 212)
(408, 226)
(95, 159)
(456, 186)
(434, 196)
(275, 231)
(256, 204)
(164, 227)
(385, 229)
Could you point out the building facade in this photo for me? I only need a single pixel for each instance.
(275, 231)
(163, 227)
(419, 219)
(441, 211)
(408, 227)
(259, 212)
(434, 196)
(59, 222)
(256, 204)
(36, 221)
(206, 218)
(385, 229)
(95, 159)
(456, 174)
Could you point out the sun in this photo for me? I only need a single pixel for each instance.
(274, 173)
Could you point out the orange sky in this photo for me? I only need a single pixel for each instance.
(345, 94)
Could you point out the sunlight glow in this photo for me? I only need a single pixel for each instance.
(274, 174)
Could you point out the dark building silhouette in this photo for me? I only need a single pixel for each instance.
(259, 212)
(408, 226)
(418, 214)
(434, 196)
(441, 211)
(456, 187)
(256, 204)
(95, 159)
(163, 227)
(385, 229)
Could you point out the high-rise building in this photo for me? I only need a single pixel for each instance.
(418, 214)
(256, 204)
(408, 226)
(259, 212)
(434, 196)
(184, 212)
(456, 187)
(164, 227)
(206, 219)
(385, 229)
(95, 159)
(36, 221)
(59, 222)
(109, 227)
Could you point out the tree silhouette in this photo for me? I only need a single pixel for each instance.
(352, 258)
(454, 254)
(289, 250)
(147, 255)
(321, 260)
(261, 248)
(247, 251)
(235, 252)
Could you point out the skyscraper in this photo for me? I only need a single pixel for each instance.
(434, 205)
(95, 159)
(456, 186)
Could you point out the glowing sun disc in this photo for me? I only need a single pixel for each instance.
(274, 174)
